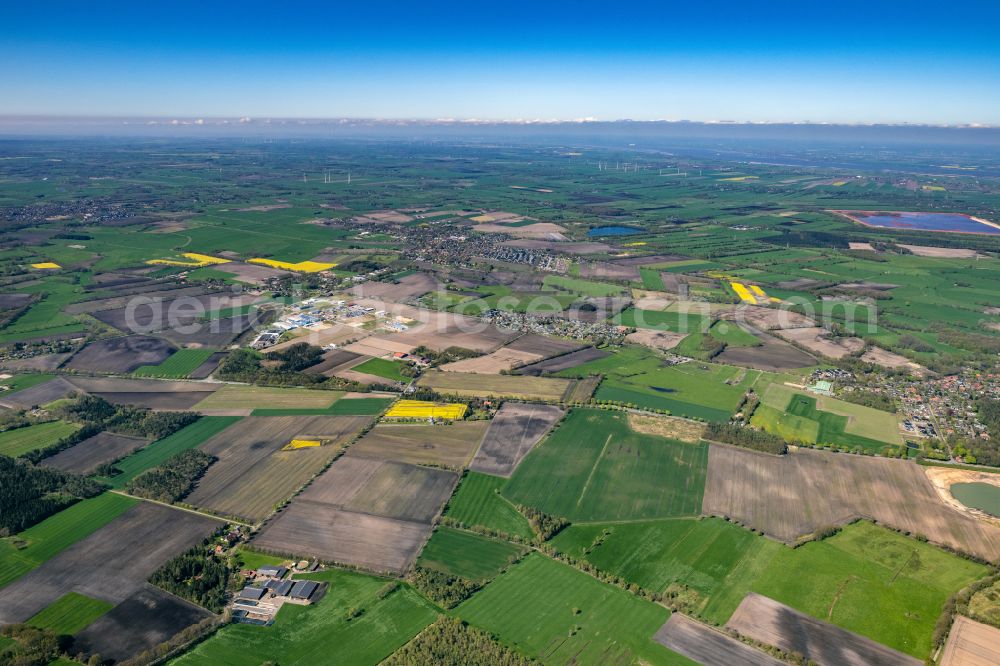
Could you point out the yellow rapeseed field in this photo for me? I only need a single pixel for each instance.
(197, 261)
(301, 267)
(301, 444)
(743, 292)
(46, 265)
(420, 409)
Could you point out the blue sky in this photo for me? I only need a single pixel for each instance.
(770, 60)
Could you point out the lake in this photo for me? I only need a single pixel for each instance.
(615, 231)
(982, 496)
(946, 222)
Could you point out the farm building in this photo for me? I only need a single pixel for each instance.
(272, 572)
(252, 593)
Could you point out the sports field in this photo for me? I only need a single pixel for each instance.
(179, 365)
(467, 555)
(871, 581)
(594, 467)
(19, 441)
(160, 450)
(58, 532)
(70, 613)
(715, 559)
(307, 635)
(478, 503)
(559, 615)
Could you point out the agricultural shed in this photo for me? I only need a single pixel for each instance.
(303, 589)
(252, 593)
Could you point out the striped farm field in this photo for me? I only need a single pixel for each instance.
(478, 503)
(178, 365)
(19, 441)
(594, 467)
(558, 615)
(466, 554)
(70, 613)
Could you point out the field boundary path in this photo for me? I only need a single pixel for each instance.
(593, 469)
(203, 514)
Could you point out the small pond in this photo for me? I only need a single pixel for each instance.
(982, 496)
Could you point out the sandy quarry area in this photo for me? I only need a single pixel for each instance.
(943, 478)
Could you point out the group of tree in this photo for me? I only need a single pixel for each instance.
(173, 479)
(448, 355)
(985, 451)
(747, 438)
(31, 646)
(280, 369)
(545, 526)
(29, 493)
(198, 575)
(126, 419)
(870, 399)
(451, 642)
(448, 590)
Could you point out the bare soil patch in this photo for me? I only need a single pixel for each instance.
(329, 534)
(543, 346)
(649, 337)
(887, 359)
(449, 446)
(774, 355)
(971, 643)
(38, 395)
(540, 230)
(564, 362)
(706, 645)
(123, 354)
(797, 494)
(141, 622)
(860, 246)
(252, 473)
(411, 286)
(941, 252)
(514, 431)
(110, 564)
(671, 427)
(103, 447)
(250, 273)
(510, 386)
(40, 363)
(817, 339)
(503, 359)
(774, 623)
(208, 367)
(608, 270)
(333, 360)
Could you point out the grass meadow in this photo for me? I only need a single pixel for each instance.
(70, 613)
(19, 441)
(593, 467)
(467, 555)
(478, 503)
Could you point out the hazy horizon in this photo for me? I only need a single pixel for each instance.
(781, 62)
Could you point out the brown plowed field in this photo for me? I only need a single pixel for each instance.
(420, 444)
(794, 495)
(363, 512)
(513, 432)
(705, 645)
(252, 473)
(110, 564)
(774, 623)
(103, 447)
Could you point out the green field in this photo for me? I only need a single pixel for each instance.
(343, 407)
(381, 367)
(180, 364)
(665, 320)
(251, 559)
(478, 503)
(731, 334)
(634, 375)
(21, 382)
(58, 532)
(19, 441)
(162, 449)
(322, 633)
(712, 557)
(594, 467)
(467, 555)
(872, 581)
(823, 420)
(581, 287)
(70, 614)
(558, 615)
